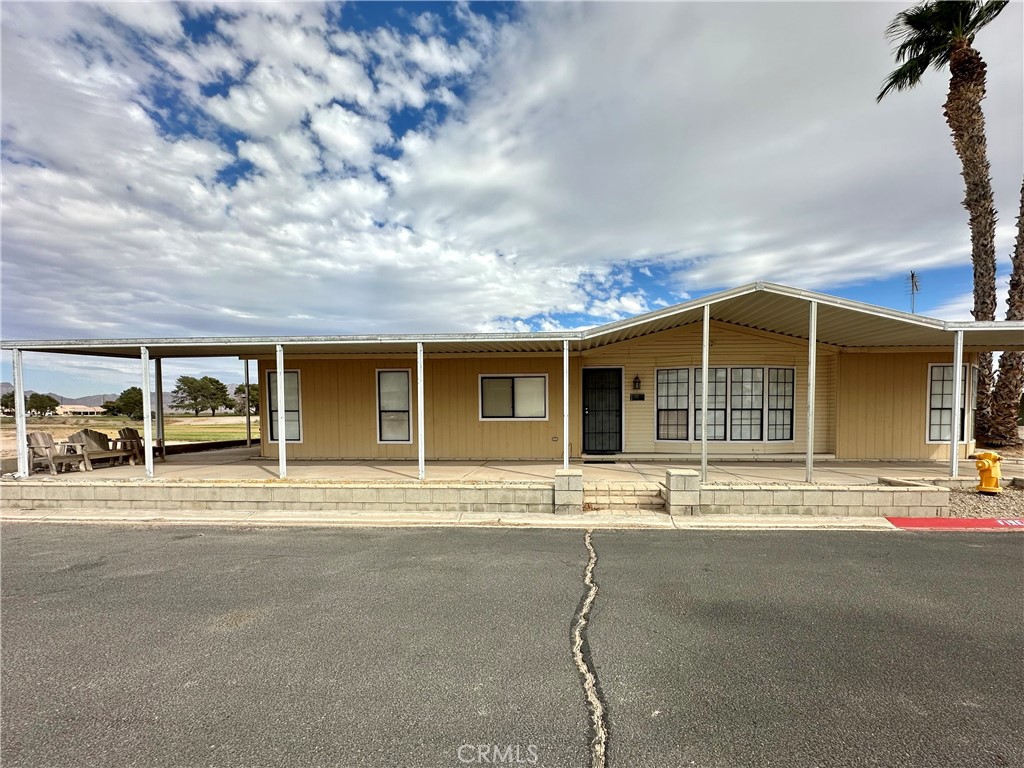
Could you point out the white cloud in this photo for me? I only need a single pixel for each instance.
(156, 18)
(408, 180)
(436, 57)
(696, 140)
(272, 100)
(959, 308)
(619, 306)
(427, 23)
(349, 136)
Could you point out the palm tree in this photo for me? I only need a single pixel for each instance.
(1006, 396)
(936, 34)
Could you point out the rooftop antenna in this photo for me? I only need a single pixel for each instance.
(914, 286)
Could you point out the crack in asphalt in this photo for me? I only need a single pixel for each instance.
(596, 706)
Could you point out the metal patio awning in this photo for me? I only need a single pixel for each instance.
(762, 306)
(814, 317)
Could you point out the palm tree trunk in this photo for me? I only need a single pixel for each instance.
(1010, 384)
(967, 123)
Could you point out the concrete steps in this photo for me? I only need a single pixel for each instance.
(623, 498)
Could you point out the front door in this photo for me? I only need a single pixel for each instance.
(602, 410)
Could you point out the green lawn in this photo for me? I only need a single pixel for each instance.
(177, 428)
(204, 433)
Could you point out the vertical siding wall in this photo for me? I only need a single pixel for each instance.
(339, 409)
(339, 400)
(883, 406)
(730, 346)
(454, 428)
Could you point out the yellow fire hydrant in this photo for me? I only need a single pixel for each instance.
(989, 474)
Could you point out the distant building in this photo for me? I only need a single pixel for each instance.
(80, 410)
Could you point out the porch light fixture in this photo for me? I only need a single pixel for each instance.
(636, 382)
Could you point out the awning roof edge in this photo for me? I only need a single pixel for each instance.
(242, 341)
(929, 331)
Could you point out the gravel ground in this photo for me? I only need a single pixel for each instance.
(1009, 503)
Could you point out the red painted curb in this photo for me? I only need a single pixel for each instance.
(954, 523)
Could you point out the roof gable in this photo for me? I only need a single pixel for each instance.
(783, 310)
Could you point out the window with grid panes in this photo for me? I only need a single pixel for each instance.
(746, 403)
(718, 388)
(940, 402)
(781, 396)
(673, 403)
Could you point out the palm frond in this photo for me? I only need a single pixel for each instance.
(934, 48)
(984, 14)
(918, 31)
(925, 35)
(904, 77)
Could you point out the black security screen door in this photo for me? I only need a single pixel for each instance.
(602, 410)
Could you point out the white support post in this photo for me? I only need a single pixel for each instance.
(282, 450)
(159, 384)
(565, 404)
(248, 409)
(812, 378)
(954, 432)
(21, 434)
(147, 413)
(421, 443)
(704, 349)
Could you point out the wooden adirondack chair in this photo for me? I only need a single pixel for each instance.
(132, 439)
(44, 452)
(96, 446)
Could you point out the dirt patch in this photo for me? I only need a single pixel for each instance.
(200, 421)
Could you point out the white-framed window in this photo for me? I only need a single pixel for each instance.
(292, 406)
(940, 403)
(520, 397)
(781, 401)
(673, 404)
(394, 410)
(745, 404)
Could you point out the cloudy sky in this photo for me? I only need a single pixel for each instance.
(294, 168)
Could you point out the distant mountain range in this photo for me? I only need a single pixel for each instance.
(6, 387)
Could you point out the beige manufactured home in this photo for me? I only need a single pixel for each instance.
(883, 387)
(634, 398)
(774, 372)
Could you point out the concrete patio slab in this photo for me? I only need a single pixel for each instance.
(237, 485)
(245, 464)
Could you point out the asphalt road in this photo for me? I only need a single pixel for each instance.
(179, 646)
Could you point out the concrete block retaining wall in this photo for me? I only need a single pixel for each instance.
(506, 499)
(682, 491)
(568, 492)
(685, 495)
